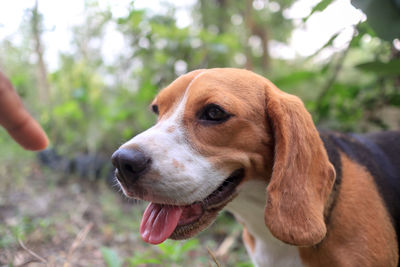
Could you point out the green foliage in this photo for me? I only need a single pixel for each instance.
(175, 252)
(111, 257)
(294, 78)
(140, 258)
(383, 16)
(320, 6)
(172, 253)
(93, 106)
(21, 229)
(357, 89)
(381, 68)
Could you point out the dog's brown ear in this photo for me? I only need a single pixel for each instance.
(302, 176)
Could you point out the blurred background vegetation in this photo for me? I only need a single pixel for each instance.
(60, 208)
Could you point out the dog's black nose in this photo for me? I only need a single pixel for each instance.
(131, 163)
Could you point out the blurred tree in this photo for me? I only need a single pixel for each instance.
(80, 97)
(361, 92)
(253, 23)
(96, 104)
(37, 30)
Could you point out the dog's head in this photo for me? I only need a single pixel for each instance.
(216, 129)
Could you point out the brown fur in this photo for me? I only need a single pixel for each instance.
(302, 176)
(360, 232)
(248, 239)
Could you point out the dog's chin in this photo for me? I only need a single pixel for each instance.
(191, 229)
(199, 215)
(206, 211)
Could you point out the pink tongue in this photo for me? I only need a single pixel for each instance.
(158, 222)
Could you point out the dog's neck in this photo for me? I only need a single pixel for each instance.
(248, 208)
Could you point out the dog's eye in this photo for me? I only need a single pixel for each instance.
(154, 108)
(214, 113)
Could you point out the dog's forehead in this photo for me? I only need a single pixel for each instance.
(212, 84)
(227, 83)
(173, 93)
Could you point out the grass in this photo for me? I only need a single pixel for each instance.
(50, 218)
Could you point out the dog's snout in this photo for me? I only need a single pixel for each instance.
(131, 163)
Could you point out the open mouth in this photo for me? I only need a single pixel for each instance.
(161, 221)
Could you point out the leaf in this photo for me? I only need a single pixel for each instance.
(69, 109)
(111, 257)
(381, 68)
(321, 6)
(395, 100)
(166, 247)
(294, 78)
(190, 245)
(382, 15)
(176, 251)
(140, 259)
(328, 43)
(363, 28)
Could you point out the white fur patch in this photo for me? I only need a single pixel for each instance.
(248, 208)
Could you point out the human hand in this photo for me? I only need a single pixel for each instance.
(17, 121)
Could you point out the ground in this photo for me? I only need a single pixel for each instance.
(49, 218)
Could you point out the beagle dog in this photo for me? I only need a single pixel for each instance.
(230, 138)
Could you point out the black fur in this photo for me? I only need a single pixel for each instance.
(334, 158)
(379, 153)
